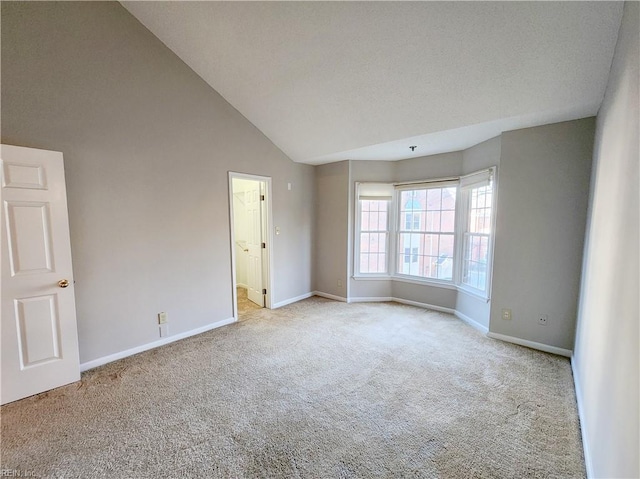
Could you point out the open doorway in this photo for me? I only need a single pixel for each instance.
(250, 242)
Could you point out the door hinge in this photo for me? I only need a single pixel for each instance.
(261, 197)
(264, 291)
(264, 245)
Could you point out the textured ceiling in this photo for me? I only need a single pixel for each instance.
(329, 81)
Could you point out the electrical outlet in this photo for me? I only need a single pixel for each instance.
(340, 283)
(506, 314)
(543, 319)
(163, 318)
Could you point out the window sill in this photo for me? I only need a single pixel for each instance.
(384, 277)
(425, 282)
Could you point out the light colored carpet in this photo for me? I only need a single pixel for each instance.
(317, 389)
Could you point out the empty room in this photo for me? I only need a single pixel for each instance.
(320, 239)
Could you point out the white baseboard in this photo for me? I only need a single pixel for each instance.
(330, 296)
(471, 322)
(583, 425)
(424, 305)
(373, 299)
(292, 300)
(145, 347)
(379, 299)
(531, 344)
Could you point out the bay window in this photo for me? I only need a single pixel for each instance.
(433, 231)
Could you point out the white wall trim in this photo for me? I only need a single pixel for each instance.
(292, 300)
(154, 344)
(379, 299)
(531, 344)
(583, 424)
(372, 299)
(424, 305)
(330, 296)
(471, 322)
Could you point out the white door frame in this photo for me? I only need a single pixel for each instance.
(267, 257)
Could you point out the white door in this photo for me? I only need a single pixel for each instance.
(39, 334)
(254, 243)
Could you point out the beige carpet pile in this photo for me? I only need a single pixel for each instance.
(317, 389)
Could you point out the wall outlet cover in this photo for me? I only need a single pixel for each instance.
(163, 318)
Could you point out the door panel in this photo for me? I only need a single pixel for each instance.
(39, 333)
(38, 337)
(254, 243)
(30, 237)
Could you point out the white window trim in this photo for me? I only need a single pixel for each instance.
(396, 230)
(460, 216)
(469, 182)
(383, 189)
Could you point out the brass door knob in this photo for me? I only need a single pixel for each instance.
(63, 283)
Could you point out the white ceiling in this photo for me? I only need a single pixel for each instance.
(328, 81)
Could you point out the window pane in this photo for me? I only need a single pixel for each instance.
(406, 201)
(430, 266)
(476, 245)
(446, 245)
(364, 264)
(484, 249)
(364, 221)
(382, 221)
(364, 242)
(374, 243)
(449, 198)
(447, 221)
(373, 236)
(373, 220)
(430, 245)
(421, 250)
(433, 221)
(434, 198)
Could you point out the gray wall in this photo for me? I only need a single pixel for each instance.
(543, 191)
(147, 147)
(606, 360)
(332, 222)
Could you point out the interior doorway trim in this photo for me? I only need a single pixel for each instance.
(267, 257)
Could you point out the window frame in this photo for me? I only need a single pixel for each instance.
(461, 221)
(358, 233)
(465, 215)
(399, 230)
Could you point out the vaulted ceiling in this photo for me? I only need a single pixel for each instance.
(329, 81)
